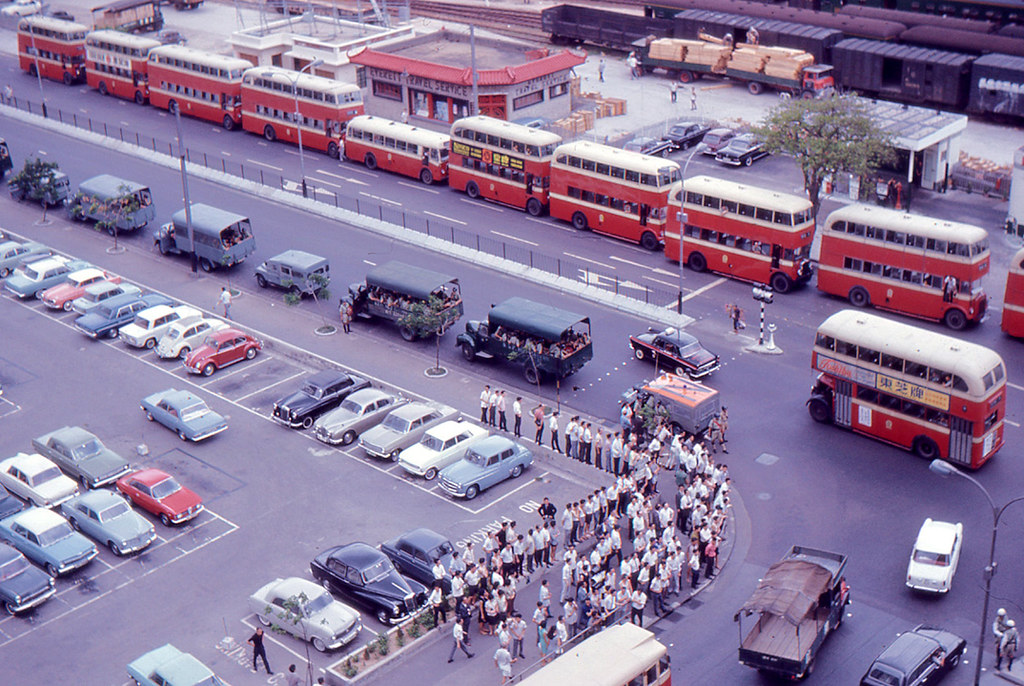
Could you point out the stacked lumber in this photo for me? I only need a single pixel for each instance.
(574, 86)
(747, 60)
(668, 49)
(713, 55)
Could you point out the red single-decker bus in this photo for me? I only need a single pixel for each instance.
(397, 147)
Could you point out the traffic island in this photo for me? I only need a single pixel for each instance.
(398, 643)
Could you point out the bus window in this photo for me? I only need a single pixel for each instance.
(915, 369)
(868, 395)
(844, 348)
(746, 210)
(712, 202)
(729, 206)
(959, 384)
(694, 198)
(763, 215)
(892, 362)
(937, 417)
(867, 355)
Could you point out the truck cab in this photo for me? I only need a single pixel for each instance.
(817, 80)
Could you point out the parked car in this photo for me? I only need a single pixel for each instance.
(220, 349)
(183, 413)
(319, 393)
(82, 456)
(104, 293)
(921, 656)
(62, 14)
(415, 552)
(403, 427)
(36, 479)
(440, 447)
(295, 271)
(487, 463)
(63, 295)
(367, 576)
(171, 37)
(105, 320)
(935, 556)
(47, 539)
(358, 412)
(22, 8)
(9, 503)
(107, 518)
(182, 337)
(675, 351)
(22, 586)
(306, 611)
(150, 325)
(168, 666)
(714, 140)
(741, 150)
(160, 494)
(31, 279)
(14, 254)
(649, 146)
(683, 134)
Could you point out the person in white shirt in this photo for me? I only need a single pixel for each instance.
(638, 601)
(503, 661)
(485, 401)
(459, 636)
(517, 417)
(561, 635)
(553, 430)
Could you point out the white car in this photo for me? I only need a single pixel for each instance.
(152, 323)
(35, 478)
(183, 336)
(935, 556)
(23, 8)
(307, 611)
(441, 446)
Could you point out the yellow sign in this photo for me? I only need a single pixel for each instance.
(919, 394)
(487, 156)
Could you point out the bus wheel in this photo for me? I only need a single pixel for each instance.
(697, 262)
(955, 319)
(269, 133)
(407, 334)
(531, 375)
(370, 161)
(925, 448)
(68, 78)
(172, 106)
(579, 221)
(426, 177)
(648, 241)
(473, 190)
(859, 297)
(205, 264)
(140, 99)
(534, 208)
(468, 353)
(781, 283)
(229, 123)
(333, 150)
(819, 410)
(103, 88)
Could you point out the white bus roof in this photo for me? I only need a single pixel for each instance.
(614, 656)
(741, 192)
(121, 38)
(411, 134)
(616, 157)
(53, 24)
(916, 224)
(506, 129)
(312, 82)
(967, 360)
(187, 54)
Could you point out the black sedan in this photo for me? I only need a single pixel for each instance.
(22, 585)
(366, 576)
(319, 393)
(649, 146)
(921, 656)
(9, 504)
(683, 134)
(742, 150)
(415, 552)
(674, 351)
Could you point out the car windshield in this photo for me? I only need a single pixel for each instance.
(141, 322)
(56, 533)
(174, 334)
(930, 558)
(166, 488)
(318, 604)
(313, 391)
(475, 457)
(689, 348)
(114, 511)
(48, 474)
(194, 411)
(87, 449)
(432, 442)
(396, 423)
(378, 570)
(883, 677)
(13, 567)
(351, 407)
(31, 273)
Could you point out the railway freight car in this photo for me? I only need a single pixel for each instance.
(575, 24)
(999, 12)
(962, 41)
(912, 19)
(811, 39)
(997, 86)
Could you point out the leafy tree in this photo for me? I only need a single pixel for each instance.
(320, 293)
(35, 181)
(826, 136)
(423, 318)
(292, 611)
(111, 212)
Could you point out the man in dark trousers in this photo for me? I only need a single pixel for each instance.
(547, 511)
(256, 641)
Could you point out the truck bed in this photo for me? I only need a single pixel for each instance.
(774, 635)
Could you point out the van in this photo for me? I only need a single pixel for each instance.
(221, 238)
(687, 405)
(292, 269)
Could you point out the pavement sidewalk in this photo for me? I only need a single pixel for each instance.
(992, 677)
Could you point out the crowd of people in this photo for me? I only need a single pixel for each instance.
(567, 346)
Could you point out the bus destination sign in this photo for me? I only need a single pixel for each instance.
(487, 156)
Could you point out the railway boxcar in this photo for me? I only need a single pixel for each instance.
(575, 24)
(997, 85)
(962, 41)
(912, 19)
(815, 40)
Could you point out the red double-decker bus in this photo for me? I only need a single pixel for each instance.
(201, 84)
(501, 161)
(324, 107)
(616, 192)
(53, 48)
(397, 147)
(745, 232)
(118, 64)
(907, 263)
(1013, 300)
(936, 395)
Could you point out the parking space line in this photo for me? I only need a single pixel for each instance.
(276, 383)
(244, 367)
(512, 492)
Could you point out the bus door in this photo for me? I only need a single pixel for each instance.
(776, 255)
(961, 432)
(841, 402)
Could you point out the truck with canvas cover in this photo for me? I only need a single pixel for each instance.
(392, 290)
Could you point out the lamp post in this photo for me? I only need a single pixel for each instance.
(682, 226)
(298, 121)
(182, 153)
(945, 469)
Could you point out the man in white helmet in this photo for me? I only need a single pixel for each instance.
(1008, 645)
(998, 629)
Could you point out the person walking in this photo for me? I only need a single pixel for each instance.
(672, 89)
(258, 650)
(553, 430)
(693, 98)
(736, 315)
(503, 661)
(225, 301)
(485, 399)
(9, 92)
(631, 63)
(999, 626)
(517, 417)
(538, 420)
(346, 317)
(547, 510)
(458, 641)
(502, 421)
(600, 70)
(1008, 645)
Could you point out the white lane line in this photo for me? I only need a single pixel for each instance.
(708, 287)
(331, 174)
(1013, 424)
(264, 164)
(1015, 386)
(663, 283)
(380, 199)
(239, 370)
(357, 170)
(326, 183)
(630, 262)
(419, 187)
(276, 383)
(514, 238)
(512, 492)
(356, 181)
(587, 259)
(447, 219)
(485, 205)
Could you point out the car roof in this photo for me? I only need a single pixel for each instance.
(325, 377)
(38, 519)
(149, 476)
(98, 498)
(103, 287)
(720, 131)
(294, 585)
(908, 651)
(452, 427)
(368, 395)
(225, 334)
(155, 311)
(418, 409)
(357, 554)
(45, 263)
(72, 434)
(424, 538)
(8, 552)
(685, 124)
(176, 397)
(936, 536)
(86, 273)
(492, 445)
(32, 463)
(680, 338)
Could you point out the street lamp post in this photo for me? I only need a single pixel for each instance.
(182, 153)
(298, 121)
(945, 469)
(682, 225)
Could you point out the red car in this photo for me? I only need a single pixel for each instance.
(220, 349)
(63, 294)
(159, 493)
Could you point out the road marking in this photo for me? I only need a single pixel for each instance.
(447, 219)
(1015, 386)
(419, 187)
(663, 283)
(629, 262)
(245, 367)
(1014, 424)
(485, 205)
(326, 183)
(514, 238)
(380, 199)
(264, 164)
(276, 383)
(587, 259)
(357, 170)
(708, 287)
(331, 174)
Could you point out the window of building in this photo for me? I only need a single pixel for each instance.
(529, 99)
(389, 91)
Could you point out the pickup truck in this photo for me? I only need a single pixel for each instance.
(798, 603)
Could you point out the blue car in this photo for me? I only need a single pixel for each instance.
(489, 462)
(35, 277)
(108, 519)
(105, 320)
(183, 413)
(22, 586)
(47, 539)
(14, 254)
